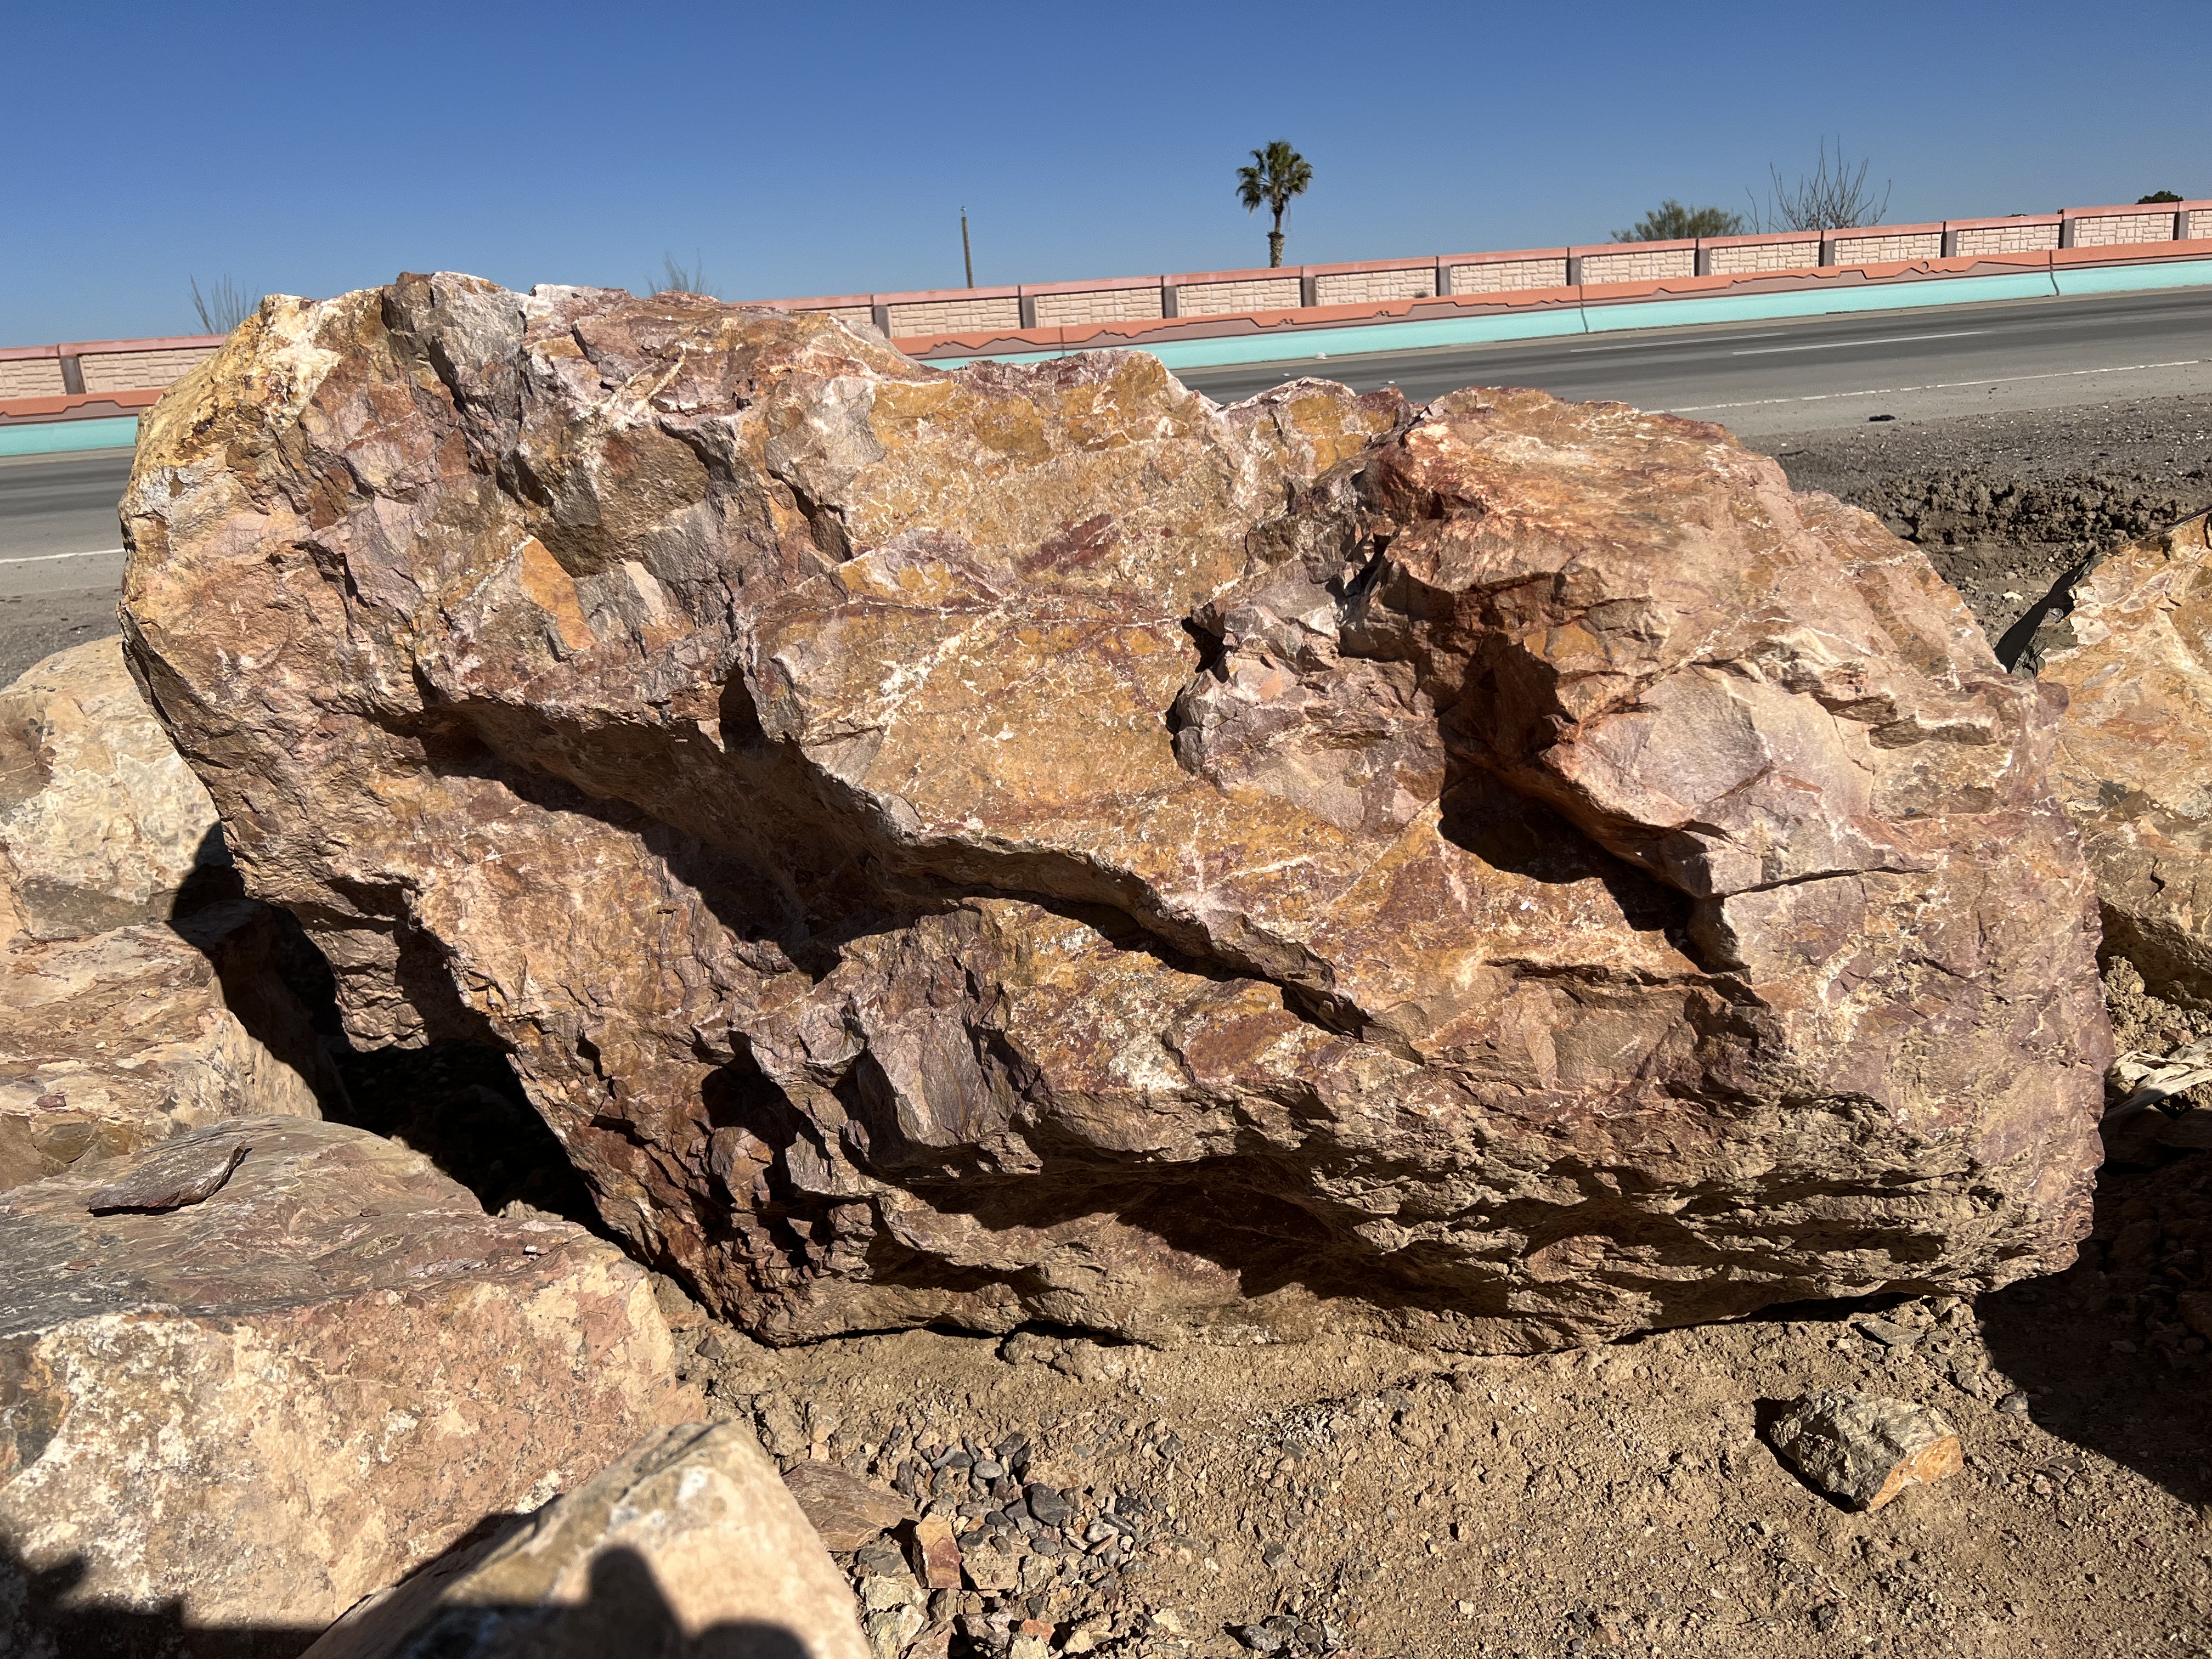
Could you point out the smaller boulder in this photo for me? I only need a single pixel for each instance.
(687, 1542)
(2134, 760)
(254, 1373)
(1861, 1449)
(101, 823)
(847, 1510)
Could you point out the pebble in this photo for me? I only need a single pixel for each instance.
(2014, 1404)
(1047, 1505)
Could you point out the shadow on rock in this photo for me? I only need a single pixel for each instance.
(457, 1101)
(625, 1613)
(2113, 1353)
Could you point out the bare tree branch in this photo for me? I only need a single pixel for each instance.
(1831, 197)
(223, 306)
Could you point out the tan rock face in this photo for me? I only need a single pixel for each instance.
(686, 1543)
(111, 1043)
(101, 822)
(2134, 761)
(119, 1026)
(1030, 843)
(253, 1407)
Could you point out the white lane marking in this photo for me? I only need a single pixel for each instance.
(1938, 385)
(1708, 339)
(1838, 345)
(48, 558)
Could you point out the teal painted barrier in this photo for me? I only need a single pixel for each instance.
(60, 437)
(1318, 344)
(1764, 308)
(2121, 279)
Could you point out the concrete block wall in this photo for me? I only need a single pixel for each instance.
(1351, 288)
(957, 316)
(1923, 244)
(1254, 293)
(32, 376)
(2106, 230)
(1652, 263)
(1735, 259)
(2021, 235)
(1110, 305)
(1508, 275)
(46, 377)
(136, 371)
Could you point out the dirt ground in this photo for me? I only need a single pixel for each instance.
(1619, 1501)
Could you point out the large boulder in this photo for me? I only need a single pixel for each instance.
(1030, 843)
(686, 1544)
(2134, 762)
(250, 1374)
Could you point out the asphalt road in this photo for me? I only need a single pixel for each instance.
(1787, 376)
(1811, 373)
(60, 552)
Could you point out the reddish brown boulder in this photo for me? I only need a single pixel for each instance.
(1030, 843)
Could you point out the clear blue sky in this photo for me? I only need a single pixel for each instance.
(802, 149)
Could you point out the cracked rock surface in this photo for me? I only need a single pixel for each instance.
(1029, 843)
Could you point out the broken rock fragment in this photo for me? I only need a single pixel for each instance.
(1028, 844)
(255, 1405)
(847, 1510)
(1861, 1449)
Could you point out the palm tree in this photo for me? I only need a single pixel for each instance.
(1277, 174)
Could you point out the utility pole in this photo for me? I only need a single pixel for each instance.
(966, 258)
